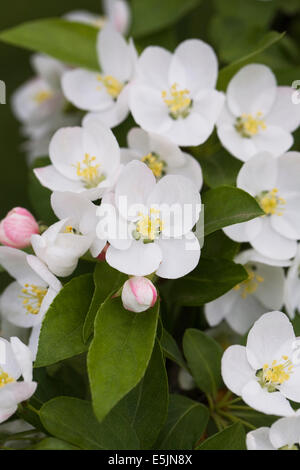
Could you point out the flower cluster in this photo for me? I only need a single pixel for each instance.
(137, 207)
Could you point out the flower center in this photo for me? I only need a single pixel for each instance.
(271, 203)
(178, 102)
(250, 284)
(89, 172)
(33, 297)
(99, 22)
(155, 164)
(42, 96)
(271, 377)
(248, 125)
(112, 85)
(148, 227)
(5, 378)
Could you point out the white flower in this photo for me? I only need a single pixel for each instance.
(174, 94)
(105, 94)
(25, 301)
(15, 360)
(161, 156)
(284, 434)
(81, 215)
(138, 294)
(84, 160)
(258, 116)
(117, 13)
(275, 183)
(246, 302)
(265, 373)
(35, 101)
(185, 380)
(153, 224)
(292, 287)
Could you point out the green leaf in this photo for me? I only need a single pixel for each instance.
(150, 16)
(107, 281)
(119, 353)
(232, 438)
(61, 334)
(73, 420)
(73, 43)
(147, 414)
(211, 279)
(226, 205)
(218, 245)
(186, 422)
(170, 348)
(226, 74)
(39, 196)
(219, 168)
(203, 356)
(50, 443)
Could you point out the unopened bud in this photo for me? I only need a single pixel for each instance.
(138, 294)
(17, 227)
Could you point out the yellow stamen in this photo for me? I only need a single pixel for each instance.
(271, 377)
(149, 226)
(42, 96)
(248, 125)
(178, 102)
(33, 297)
(155, 164)
(89, 172)
(112, 85)
(250, 285)
(69, 229)
(5, 378)
(271, 203)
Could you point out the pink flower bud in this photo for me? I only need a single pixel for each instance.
(17, 227)
(138, 294)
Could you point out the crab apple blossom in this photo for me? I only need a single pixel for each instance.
(284, 434)
(15, 361)
(274, 182)
(25, 301)
(104, 94)
(138, 294)
(174, 94)
(292, 287)
(151, 229)
(17, 227)
(84, 160)
(161, 156)
(116, 12)
(258, 115)
(262, 291)
(265, 373)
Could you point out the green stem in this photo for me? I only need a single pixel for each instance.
(31, 408)
(239, 407)
(235, 419)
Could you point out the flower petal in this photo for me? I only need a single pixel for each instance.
(49, 177)
(259, 439)
(236, 371)
(153, 68)
(179, 256)
(23, 356)
(139, 260)
(284, 112)
(190, 169)
(271, 244)
(15, 263)
(285, 432)
(258, 174)
(269, 403)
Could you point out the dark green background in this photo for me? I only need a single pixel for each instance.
(14, 70)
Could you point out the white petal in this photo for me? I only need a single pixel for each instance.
(273, 139)
(84, 89)
(49, 177)
(139, 141)
(258, 174)
(259, 439)
(244, 313)
(179, 203)
(288, 223)
(179, 256)
(41, 269)
(167, 150)
(139, 260)
(16, 392)
(218, 309)
(240, 147)
(236, 371)
(49, 69)
(266, 338)
(209, 104)
(191, 169)
(289, 172)
(34, 340)
(15, 263)
(6, 413)
(134, 187)
(286, 431)
(269, 403)
(127, 155)
(252, 90)
(114, 54)
(23, 356)
(200, 63)
(75, 206)
(245, 231)
(153, 67)
(118, 13)
(270, 292)
(192, 130)
(9, 362)
(291, 387)
(271, 244)
(284, 112)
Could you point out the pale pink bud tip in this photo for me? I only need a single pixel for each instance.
(138, 294)
(17, 227)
